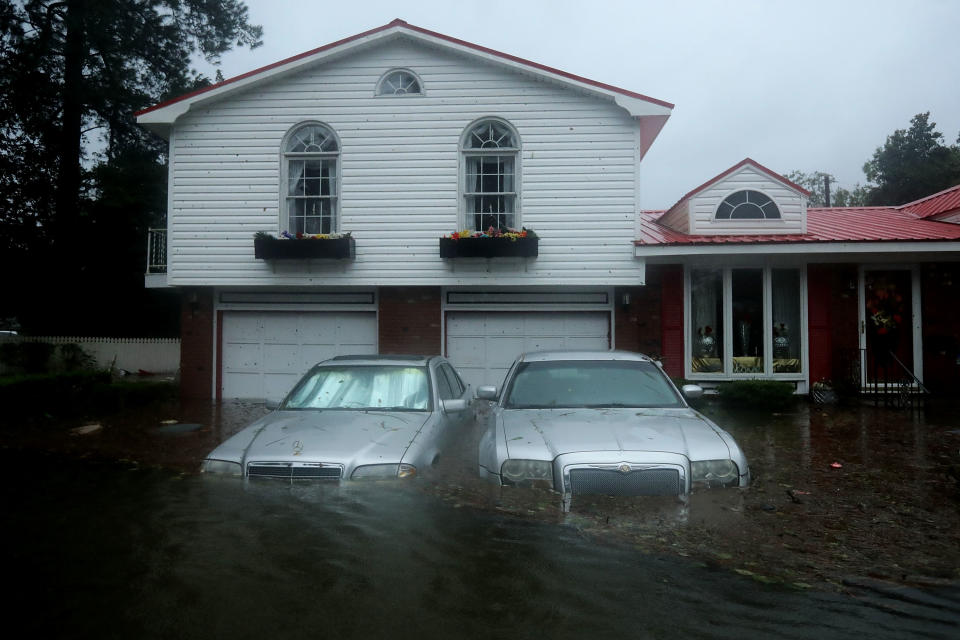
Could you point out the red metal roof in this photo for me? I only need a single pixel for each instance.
(838, 224)
(946, 201)
(405, 25)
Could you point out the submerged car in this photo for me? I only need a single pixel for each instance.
(603, 422)
(353, 417)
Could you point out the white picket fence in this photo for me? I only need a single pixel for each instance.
(156, 355)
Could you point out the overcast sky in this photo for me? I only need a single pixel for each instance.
(809, 85)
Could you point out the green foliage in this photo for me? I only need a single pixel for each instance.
(41, 357)
(76, 394)
(762, 394)
(815, 183)
(912, 163)
(27, 357)
(72, 75)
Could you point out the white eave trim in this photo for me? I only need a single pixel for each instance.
(811, 248)
(168, 114)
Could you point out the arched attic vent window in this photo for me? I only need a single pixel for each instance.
(748, 205)
(399, 82)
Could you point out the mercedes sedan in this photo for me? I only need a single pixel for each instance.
(353, 417)
(603, 422)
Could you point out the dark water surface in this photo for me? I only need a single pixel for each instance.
(101, 550)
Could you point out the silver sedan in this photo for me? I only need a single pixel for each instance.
(353, 417)
(603, 422)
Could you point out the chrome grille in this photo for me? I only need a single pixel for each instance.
(642, 482)
(294, 470)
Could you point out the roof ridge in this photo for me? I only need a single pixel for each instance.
(402, 24)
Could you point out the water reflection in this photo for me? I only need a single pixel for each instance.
(101, 550)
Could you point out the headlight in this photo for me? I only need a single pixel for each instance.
(715, 473)
(537, 472)
(373, 471)
(220, 467)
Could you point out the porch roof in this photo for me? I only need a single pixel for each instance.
(940, 203)
(837, 224)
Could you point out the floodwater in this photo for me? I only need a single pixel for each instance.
(145, 547)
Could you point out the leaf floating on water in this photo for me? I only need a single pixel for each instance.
(836, 465)
(85, 429)
(169, 421)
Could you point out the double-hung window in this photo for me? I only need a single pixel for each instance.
(490, 149)
(745, 321)
(310, 154)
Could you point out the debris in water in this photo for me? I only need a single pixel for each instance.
(836, 465)
(85, 429)
(169, 421)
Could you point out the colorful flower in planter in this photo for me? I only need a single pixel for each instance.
(286, 235)
(510, 234)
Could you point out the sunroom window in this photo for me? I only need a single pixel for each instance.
(490, 150)
(745, 321)
(310, 155)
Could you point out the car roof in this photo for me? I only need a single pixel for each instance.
(371, 359)
(549, 356)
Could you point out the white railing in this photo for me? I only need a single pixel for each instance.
(155, 355)
(156, 251)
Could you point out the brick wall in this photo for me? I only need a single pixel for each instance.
(637, 326)
(671, 319)
(410, 320)
(196, 342)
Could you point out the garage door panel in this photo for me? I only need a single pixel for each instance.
(280, 357)
(468, 351)
(281, 330)
(355, 330)
(504, 324)
(264, 353)
(243, 328)
(242, 357)
(483, 345)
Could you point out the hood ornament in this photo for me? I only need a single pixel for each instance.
(297, 447)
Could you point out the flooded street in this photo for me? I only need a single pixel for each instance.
(850, 527)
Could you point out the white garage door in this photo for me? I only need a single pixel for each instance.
(483, 345)
(264, 353)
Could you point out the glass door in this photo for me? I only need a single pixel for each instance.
(887, 324)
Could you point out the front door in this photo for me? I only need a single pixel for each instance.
(888, 318)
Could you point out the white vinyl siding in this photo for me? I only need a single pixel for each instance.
(703, 206)
(400, 166)
(264, 353)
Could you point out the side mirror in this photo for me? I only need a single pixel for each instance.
(692, 391)
(487, 393)
(271, 405)
(454, 406)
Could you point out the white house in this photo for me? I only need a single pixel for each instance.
(398, 136)
(391, 143)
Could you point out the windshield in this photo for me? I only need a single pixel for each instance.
(362, 387)
(584, 383)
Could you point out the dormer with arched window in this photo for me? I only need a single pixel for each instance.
(747, 199)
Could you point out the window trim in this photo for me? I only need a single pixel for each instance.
(285, 156)
(391, 71)
(727, 280)
(464, 217)
(745, 221)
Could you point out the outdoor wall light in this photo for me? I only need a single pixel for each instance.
(625, 301)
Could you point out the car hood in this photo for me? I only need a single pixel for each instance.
(330, 435)
(541, 434)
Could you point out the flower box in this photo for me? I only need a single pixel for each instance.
(308, 248)
(490, 247)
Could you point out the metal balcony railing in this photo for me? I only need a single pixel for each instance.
(156, 251)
